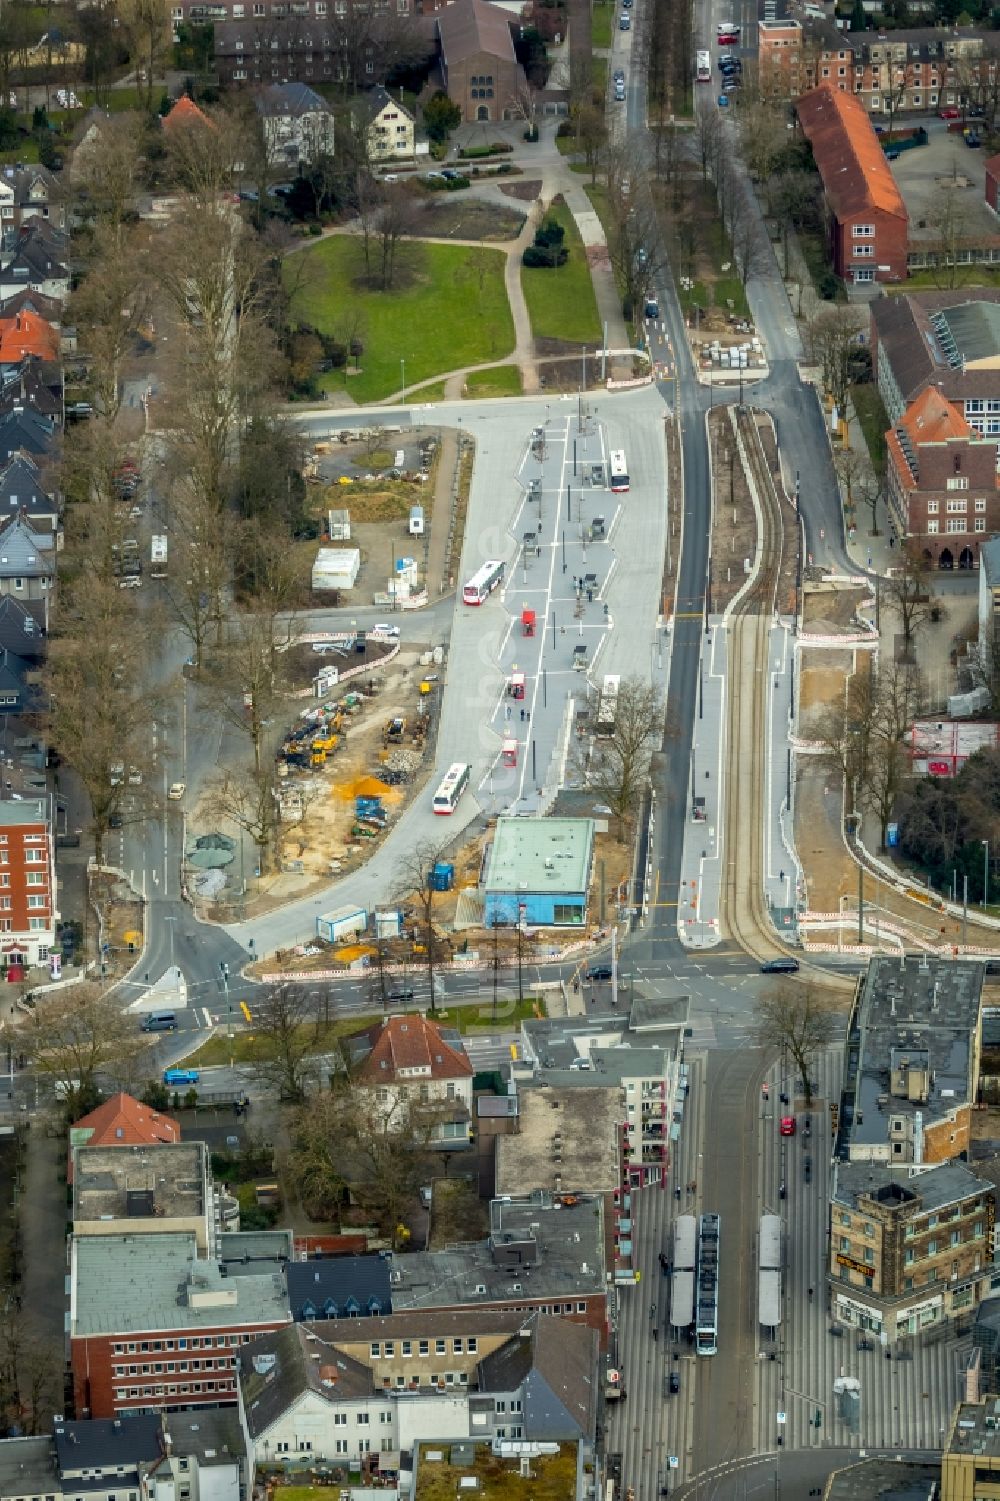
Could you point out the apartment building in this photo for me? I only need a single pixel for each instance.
(866, 215)
(28, 901)
(941, 482)
(409, 1065)
(153, 1326)
(157, 1189)
(889, 73)
(910, 1247)
(911, 1065)
(358, 1392)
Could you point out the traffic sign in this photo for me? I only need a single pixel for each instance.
(673, 1461)
(782, 1417)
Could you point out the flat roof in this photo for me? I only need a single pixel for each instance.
(30, 810)
(885, 1480)
(138, 1282)
(547, 1246)
(540, 854)
(567, 1139)
(615, 1052)
(28, 1466)
(447, 1469)
(162, 1180)
(975, 1429)
(936, 1187)
(926, 1008)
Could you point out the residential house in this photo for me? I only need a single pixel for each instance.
(152, 1324)
(27, 334)
(868, 222)
(359, 1391)
(941, 482)
(19, 688)
(405, 1065)
(31, 301)
(910, 1247)
(23, 430)
(22, 491)
(35, 261)
(85, 138)
(27, 562)
(21, 629)
(297, 123)
(547, 1252)
(390, 129)
(338, 1287)
(480, 70)
(538, 872)
(29, 192)
(200, 1454)
(121, 1121)
(35, 384)
(902, 72)
(28, 891)
(912, 1059)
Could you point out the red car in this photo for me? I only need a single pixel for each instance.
(788, 1125)
(728, 38)
(949, 112)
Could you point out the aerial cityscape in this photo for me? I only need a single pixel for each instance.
(500, 730)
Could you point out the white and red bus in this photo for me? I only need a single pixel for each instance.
(455, 782)
(619, 472)
(482, 583)
(703, 67)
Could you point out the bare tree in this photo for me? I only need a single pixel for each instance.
(800, 1019)
(831, 338)
(147, 25)
(109, 308)
(763, 136)
(865, 737)
(793, 198)
(415, 871)
(523, 103)
(751, 250)
(78, 1035)
(947, 218)
(591, 135)
(108, 170)
(908, 592)
(288, 1034)
(617, 767)
(708, 137)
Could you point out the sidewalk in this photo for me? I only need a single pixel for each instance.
(699, 894)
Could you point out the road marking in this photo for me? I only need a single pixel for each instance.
(689, 614)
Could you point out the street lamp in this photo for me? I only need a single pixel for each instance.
(986, 872)
(224, 987)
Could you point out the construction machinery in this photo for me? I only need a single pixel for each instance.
(394, 730)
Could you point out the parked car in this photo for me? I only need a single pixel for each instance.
(788, 1125)
(949, 112)
(598, 972)
(783, 966)
(619, 75)
(972, 140)
(177, 791)
(624, 22)
(675, 1382)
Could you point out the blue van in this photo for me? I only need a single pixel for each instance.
(180, 1076)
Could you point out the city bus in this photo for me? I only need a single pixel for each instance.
(619, 471)
(482, 583)
(607, 706)
(703, 67)
(455, 782)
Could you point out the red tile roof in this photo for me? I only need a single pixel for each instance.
(26, 333)
(185, 112)
(410, 1042)
(856, 176)
(930, 418)
(123, 1122)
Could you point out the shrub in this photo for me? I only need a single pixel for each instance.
(531, 134)
(565, 128)
(454, 183)
(548, 256)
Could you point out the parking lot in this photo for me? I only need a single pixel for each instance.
(924, 173)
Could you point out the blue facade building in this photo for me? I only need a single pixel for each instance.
(538, 872)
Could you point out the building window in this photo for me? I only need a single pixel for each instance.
(375, 1349)
(957, 526)
(955, 508)
(958, 481)
(932, 528)
(863, 231)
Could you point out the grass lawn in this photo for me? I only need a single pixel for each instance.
(449, 309)
(874, 421)
(566, 145)
(561, 302)
(244, 1047)
(730, 289)
(118, 100)
(434, 392)
(599, 76)
(948, 276)
(501, 380)
(602, 23)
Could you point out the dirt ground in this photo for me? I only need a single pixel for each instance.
(789, 556)
(821, 682)
(828, 610)
(527, 192)
(470, 219)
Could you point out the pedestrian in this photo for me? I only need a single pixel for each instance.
(527, 715)
(810, 1292)
(522, 716)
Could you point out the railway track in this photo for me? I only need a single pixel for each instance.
(744, 911)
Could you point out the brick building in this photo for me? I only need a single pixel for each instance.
(27, 883)
(889, 73)
(480, 71)
(941, 482)
(867, 217)
(909, 1247)
(950, 340)
(122, 1121)
(152, 1327)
